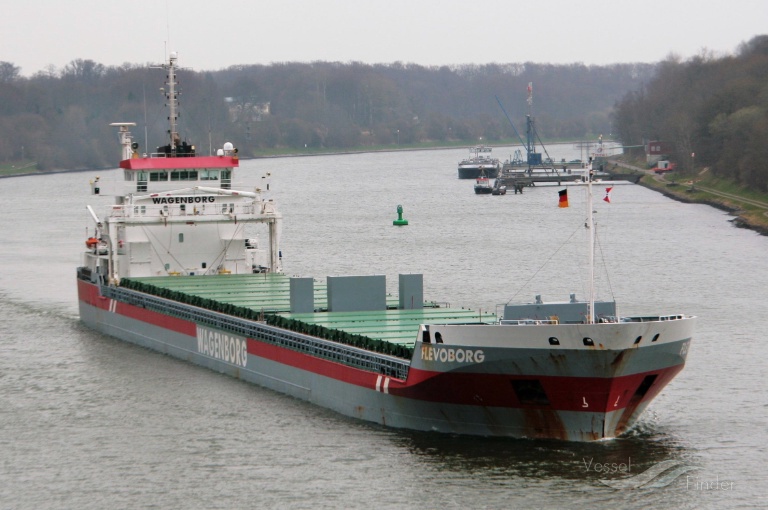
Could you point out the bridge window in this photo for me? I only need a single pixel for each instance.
(209, 175)
(141, 184)
(158, 176)
(184, 175)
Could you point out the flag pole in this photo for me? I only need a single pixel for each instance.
(591, 233)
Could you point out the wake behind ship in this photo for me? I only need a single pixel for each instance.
(175, 265)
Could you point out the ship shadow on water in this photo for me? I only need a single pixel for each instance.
(547, 460)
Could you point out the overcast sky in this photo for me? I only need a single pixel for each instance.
(211, 35)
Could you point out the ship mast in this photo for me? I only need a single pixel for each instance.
(173, 101)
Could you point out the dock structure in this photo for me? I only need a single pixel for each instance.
(543, 166)
(520, 179)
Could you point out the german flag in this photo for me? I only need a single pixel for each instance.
(563, 198)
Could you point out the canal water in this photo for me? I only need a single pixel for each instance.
(89, 422)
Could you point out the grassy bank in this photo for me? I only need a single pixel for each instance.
(17, 168)
(317, 151)
(749, 207)
(30, 167)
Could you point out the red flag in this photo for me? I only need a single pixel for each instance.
(607, 194)
(563, 198)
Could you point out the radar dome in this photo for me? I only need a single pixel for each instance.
(228, 146)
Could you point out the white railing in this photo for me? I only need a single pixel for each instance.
(527, 322)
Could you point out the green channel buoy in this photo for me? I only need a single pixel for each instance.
(400, 220)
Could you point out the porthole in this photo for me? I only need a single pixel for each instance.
(588, 342)
(553, 341)
(655, 337)
(637, 340)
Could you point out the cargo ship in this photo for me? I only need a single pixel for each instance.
(174, 265)
(479, 163)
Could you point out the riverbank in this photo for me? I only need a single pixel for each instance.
(18, 168)
(749, 208)
(11, 170)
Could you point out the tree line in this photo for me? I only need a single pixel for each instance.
(59, 118)
(712, 111)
